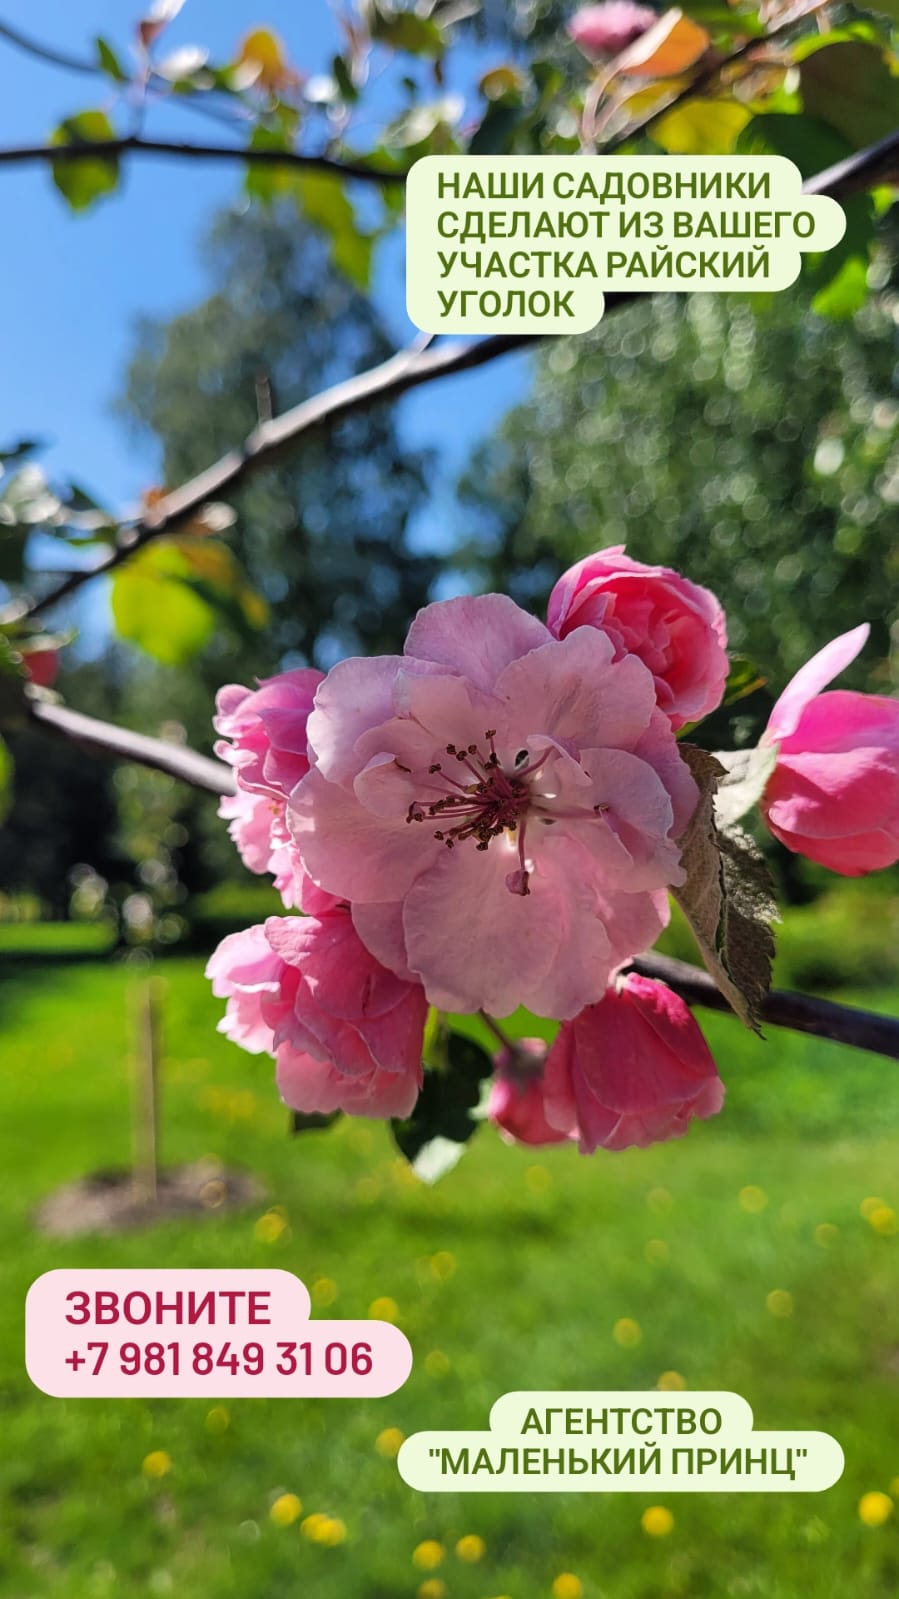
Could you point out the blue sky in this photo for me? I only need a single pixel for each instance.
(73, 286)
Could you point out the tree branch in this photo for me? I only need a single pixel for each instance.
(409, 369)
(112, 149)
(800, 1013)
(103, 738)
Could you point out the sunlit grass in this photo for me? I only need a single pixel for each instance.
(523, 1268)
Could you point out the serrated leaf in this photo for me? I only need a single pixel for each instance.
(746, 774)
(727, 898)
(87, 179)
(443, 1115)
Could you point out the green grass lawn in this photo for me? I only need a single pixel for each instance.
(512, 1273)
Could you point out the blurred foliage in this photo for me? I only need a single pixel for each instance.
(753, 446)
(830, 71)
(323, 537)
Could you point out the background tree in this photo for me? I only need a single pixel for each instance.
(756, 445)
(323, 538)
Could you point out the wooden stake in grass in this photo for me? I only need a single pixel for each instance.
(145, 1090)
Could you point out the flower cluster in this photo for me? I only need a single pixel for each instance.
(494, 819)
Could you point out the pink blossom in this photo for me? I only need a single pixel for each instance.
(516, 1104)
(246, 971)
(675, 627)
(634, 1069)
(834, 794)
(607, 29)
(346, 1034)
(264, 740)
(500, 807)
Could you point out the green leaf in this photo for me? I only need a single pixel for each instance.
(313, 1121)
(497, 131)
(746, 774)
(434, 1136)
(406, 30)
(7, 772)
(851, 88)
(743, 678)
(810, 144)
(110, 62)
(12, 683)
(846, 292)
(17, 451)
(701, 127)
(348, 91)
(324, 202)
(157, 610)
(727, 898)
(85, 180)
(268, 183)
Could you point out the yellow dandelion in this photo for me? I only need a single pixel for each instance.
(780, 1303)
(331, 1532)
(384, 1310)
(753, 1200)
(157, 1464)
(389, 1442)
(874, 1509)
(538, 1179)
(627, 1333)
(323, 1292)
(443, 1265)
(826, 1234)
(432, 1588)
(437, 1364)
(671, 1382)
(471, 1549)
(869, 1205)
(218, 1420)
(310, 1527)
(884, 1221)
(657, 1252)
(285, 1510)
(657, 1522)
(567, 1586)
(270, 1227)
(429, 1555)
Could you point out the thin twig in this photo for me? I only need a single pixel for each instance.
(800, 1013)
(43, 52)
(103, 738)
(112, 149)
